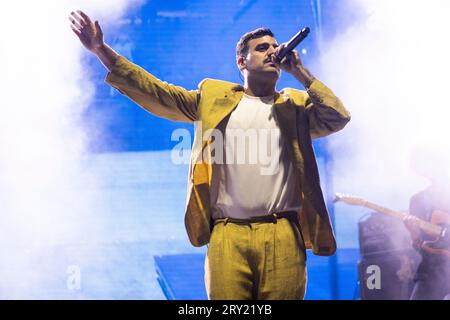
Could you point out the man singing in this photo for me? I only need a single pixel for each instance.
(256, 222)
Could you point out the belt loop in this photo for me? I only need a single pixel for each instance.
(226, 221)
(275, 217)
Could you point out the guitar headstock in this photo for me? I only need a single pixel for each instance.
(348, 199)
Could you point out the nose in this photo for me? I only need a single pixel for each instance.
(270, 52)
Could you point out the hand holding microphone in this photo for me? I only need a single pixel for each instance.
(291, 44)
(289, 60)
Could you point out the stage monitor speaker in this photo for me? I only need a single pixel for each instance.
(379, 233)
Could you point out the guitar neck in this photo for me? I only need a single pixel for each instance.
(424, 225)
(386, 211)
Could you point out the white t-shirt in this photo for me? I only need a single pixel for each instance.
(257, 176)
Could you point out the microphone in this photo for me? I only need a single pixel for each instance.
(299, 37)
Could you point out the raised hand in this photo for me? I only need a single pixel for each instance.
(293, 64)
(90, 34)
(290, 62)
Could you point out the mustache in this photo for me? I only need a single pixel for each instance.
(269, 60)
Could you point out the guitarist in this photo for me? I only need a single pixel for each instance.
(432, 278)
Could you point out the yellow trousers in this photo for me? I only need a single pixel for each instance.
(263, 261)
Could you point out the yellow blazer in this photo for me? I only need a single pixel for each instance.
(301, 115)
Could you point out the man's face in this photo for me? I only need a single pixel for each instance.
(258, 58)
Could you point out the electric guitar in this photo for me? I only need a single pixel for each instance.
(438, 227)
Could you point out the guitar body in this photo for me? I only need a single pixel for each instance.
(440, 218)
(441, 244)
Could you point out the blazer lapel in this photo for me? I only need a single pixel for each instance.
(220, 108)
(221, 105)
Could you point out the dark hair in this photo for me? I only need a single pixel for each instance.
(242, 45)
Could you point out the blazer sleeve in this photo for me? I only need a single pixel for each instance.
(326, 113)
(157, 97)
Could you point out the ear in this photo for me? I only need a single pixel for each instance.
(241, 63)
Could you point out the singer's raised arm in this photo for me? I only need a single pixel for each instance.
(325, 111)
(158, 97)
